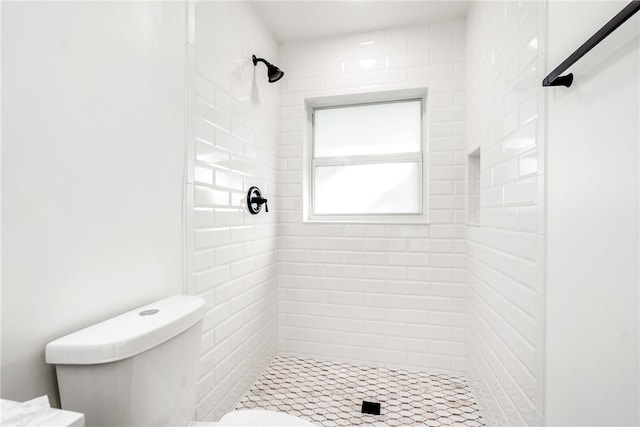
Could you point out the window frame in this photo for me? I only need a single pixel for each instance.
(310, 162)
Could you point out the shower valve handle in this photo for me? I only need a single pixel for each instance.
(260, 200)
(255, 201)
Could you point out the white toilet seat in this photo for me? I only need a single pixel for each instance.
(261, 418)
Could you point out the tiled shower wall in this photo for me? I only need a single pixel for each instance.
(378, 293)
(230, 254)
(506, 251)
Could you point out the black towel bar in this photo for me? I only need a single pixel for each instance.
(555, 79)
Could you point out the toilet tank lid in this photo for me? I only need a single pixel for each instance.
(129, 334)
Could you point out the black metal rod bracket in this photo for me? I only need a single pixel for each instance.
(555, 79)
(559, 81)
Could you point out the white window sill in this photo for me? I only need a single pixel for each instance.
(397, 220)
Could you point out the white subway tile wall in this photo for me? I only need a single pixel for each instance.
(231, 257)
(505, 263)
(409, 296)
(386, 294)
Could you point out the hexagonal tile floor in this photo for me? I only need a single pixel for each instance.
(330, 394)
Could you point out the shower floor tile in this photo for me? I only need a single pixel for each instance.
(331, 393)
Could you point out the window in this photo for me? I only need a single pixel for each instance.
(366, 161)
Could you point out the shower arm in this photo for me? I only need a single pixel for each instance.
(256, 60)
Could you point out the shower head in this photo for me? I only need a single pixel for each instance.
(274, 73)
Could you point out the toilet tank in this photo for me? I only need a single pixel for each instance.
(137, 369)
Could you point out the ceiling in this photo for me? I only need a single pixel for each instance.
(309, 19)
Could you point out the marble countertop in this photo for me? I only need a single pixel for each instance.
(23, 414)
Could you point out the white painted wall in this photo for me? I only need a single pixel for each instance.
(231, 254)
(92, 171)
(505, 300)
(592, 359)
(376, 293)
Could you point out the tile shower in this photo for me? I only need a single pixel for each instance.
(373, 294)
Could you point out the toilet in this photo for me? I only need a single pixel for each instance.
(140, 369)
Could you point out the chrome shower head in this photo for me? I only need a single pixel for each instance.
(274, 73)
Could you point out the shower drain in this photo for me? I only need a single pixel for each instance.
(372, 408)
